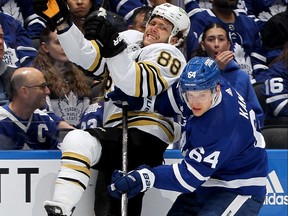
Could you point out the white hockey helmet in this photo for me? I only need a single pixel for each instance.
(176, 15)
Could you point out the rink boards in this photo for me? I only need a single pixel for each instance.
(27, 177)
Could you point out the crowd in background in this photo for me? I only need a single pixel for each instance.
(256, 46)
(46, 88)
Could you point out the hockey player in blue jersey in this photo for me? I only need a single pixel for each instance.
(224, 167)
(21, 121)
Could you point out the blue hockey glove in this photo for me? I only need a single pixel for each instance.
(98, 28)
(134, 182)
(54, 12)
(117, 96)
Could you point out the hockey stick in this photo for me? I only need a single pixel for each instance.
(102, 9)
(124, 199)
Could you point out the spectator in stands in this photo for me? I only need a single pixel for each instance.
(276, 86)
(126, 8)
(79, 10)
(22, 10)
(216, 44)
(70, 91)
(19, 50)
(275, 89)
(272, 43)
(22, 123)
(5, 73)
(263, 10)
(206, 4)
(139, 18)
(243, 32)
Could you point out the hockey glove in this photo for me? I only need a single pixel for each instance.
(100, 29)
(134, 182)
(117, 96)
(54, 12)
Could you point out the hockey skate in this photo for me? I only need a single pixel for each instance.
(57, 209)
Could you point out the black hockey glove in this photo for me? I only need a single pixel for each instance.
(54, 12)
(98, 28)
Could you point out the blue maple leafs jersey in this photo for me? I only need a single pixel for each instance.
(23, 11)
(19, 50)
(39, 132)
(224, 150)
(93, 116)
(126, 8)
(276, 91)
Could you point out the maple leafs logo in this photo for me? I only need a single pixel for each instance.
(13, 10)
(273, 10)
(243, 61)
(72, 108)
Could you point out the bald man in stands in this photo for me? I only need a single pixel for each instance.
(22, 123)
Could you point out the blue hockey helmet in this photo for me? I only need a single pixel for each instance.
(200, 73)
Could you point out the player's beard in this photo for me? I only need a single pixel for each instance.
(228, 4)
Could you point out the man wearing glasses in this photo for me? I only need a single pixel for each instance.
(21, 121)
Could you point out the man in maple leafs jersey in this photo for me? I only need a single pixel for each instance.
(141, 64)
(224, 168)
(21, 121)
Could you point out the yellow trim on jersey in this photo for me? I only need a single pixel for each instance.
(138, 80)
(76, 156)
(118, 116)
(98, 56)
(78, 168)
(149, 122)
(159, 77)
(154, 77)
(145, 119)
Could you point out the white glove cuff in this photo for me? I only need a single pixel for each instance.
(147, 178)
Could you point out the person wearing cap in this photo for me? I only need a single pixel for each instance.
(224, 168)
